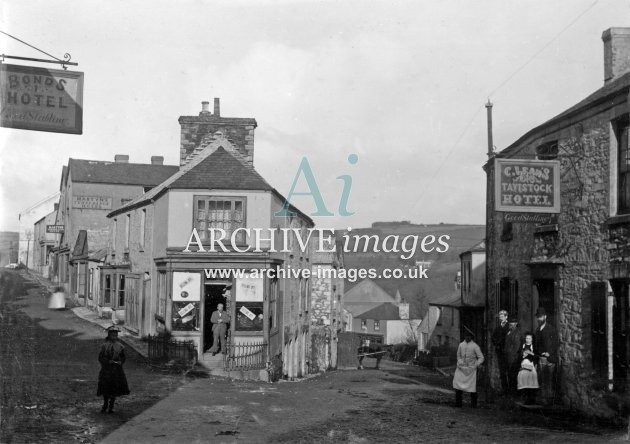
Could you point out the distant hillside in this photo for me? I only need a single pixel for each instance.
(444, 267)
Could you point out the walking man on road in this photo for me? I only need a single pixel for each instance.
(498, 340)
(219, 320)
(111, 379)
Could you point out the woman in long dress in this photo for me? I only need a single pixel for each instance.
(527, 379)
(469, 357)
(112, 381)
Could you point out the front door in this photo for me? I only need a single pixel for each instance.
(214, 294)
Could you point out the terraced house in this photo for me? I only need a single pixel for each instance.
(573, 257)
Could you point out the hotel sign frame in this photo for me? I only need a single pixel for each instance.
(527, 186)
(41, 99)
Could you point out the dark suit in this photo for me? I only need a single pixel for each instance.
(546, 341)
(219, 330)
(498, 340)
(513, 342)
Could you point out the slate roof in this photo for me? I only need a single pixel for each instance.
(388, 312)
(213, 165)
(221, 171)
(384, 312)
(97, 171)
(602, 95)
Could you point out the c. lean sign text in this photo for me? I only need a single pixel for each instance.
(531, 186)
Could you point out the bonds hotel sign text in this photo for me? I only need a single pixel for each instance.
(41, 99)
(531, 186)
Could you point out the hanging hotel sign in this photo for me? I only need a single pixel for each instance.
(54, 228)
(530, 186)
(41, 99)
(92, 202)
(186, 287)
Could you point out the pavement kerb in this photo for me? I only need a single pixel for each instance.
(88, 315)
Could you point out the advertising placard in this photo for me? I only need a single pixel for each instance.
(186, 286)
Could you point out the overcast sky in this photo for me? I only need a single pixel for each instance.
(400, 84)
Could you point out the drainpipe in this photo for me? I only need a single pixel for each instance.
(610, 299)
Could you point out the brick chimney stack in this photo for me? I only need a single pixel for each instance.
(616, 52)
(157, 160)
(121, 158)
(237, 130)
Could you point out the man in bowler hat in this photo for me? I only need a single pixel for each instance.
(546, 343)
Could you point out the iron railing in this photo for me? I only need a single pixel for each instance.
(167, 349)
(246, 356)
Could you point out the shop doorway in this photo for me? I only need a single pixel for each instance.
(621, 334)
(214, 294)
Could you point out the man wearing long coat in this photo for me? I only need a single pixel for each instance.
(469, 357)
(111, 379)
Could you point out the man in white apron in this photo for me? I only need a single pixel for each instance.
(469, 357)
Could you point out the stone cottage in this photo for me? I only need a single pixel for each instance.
(560, 239)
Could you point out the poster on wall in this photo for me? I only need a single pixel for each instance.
(186, 287)
(531, 186)
(249, 289)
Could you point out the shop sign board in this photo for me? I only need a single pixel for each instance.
(92, 202)
(54, 228)
(530, 186)
(41, 99)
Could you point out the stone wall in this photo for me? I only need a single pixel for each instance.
(575, 255)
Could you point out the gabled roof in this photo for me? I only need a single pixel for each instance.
(478, 247)
(604, 94)
(221, 171)
(215, 164)
(383, 312)
(118, 173)
(367, 291)
(388, 312)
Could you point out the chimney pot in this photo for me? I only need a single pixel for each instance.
(217, 107)
(205, 107)
(121, 158)
(157, 160)
(616, 52)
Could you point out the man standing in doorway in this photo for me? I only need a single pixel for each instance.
(546, 343)
(498, 340)
(219, 320)
(513, 352)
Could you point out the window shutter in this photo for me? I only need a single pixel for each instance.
(598, 328)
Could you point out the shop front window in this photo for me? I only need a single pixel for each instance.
(249, 309)
(121, 290)
(107, 290)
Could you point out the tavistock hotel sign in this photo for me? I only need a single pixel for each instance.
(531, 186)
(41, 99)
